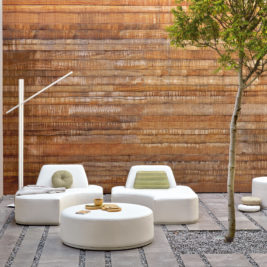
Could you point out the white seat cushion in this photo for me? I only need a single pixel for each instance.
(248, 208)
(135, 169)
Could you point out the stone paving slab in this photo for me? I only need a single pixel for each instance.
(95, 259)
(126, 258)
(259, 216)
(8, 241)
(8, 199)
(229, 260)
(205, 222)
(192, 260)
(176, 227)
(27, 250)
(219, 207)
(4, 210)
(57, 254)
(154, 252)
(260, 259)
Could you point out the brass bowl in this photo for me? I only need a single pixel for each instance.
(98, 201)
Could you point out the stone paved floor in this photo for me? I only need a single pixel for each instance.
(197, 245)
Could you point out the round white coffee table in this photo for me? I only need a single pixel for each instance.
(132, 227)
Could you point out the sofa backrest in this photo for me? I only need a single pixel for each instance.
(134, 169)
(77, 171)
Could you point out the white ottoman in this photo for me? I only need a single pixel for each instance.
(101, 230)
(259, 189)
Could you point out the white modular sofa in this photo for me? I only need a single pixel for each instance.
(45, 209)
(175, 205)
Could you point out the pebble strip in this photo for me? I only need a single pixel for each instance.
(108, 259)
(142, 257)
(251, 260)
(40, 247)
(8, 221)
(82, 258)
(17, 246)
(212, 242)
(177, 255)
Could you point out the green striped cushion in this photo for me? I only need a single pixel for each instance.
(151, 180)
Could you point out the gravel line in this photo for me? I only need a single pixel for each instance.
(82, 258)
(40, 247)
(177, 255)
(251, 260)
(108, 259)
(8, 221)
(142, 257)
(17, 246)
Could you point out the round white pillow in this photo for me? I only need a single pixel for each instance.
(248, 208)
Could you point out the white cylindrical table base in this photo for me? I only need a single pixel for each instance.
(101, 230)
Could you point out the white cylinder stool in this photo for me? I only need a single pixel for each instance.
(259, 189)
(132, 227)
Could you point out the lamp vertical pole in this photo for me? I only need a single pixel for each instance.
(21, 132)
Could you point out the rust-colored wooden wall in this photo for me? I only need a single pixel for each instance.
(131, 99)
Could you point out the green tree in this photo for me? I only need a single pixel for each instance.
(236, 30)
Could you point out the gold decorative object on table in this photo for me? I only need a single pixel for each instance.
(92, 207)
(82, 211)
(98, 201)
(111, 207)
(98, 204)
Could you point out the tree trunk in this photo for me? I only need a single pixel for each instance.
(232, 153)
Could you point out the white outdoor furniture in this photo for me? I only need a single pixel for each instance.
(101, 230)
(175, 205)
(259, 189)
(45, 209)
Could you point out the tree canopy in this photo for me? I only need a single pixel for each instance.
(233, 28)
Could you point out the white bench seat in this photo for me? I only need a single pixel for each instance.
(45, 209)
(176, 205)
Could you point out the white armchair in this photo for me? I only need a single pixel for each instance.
(175, 205)
(45, 209)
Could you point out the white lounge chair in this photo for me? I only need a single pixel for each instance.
(45, 209)
(173, 205)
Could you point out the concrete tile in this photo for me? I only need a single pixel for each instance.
(192, 260)
(126, 258)
(175, 227)
(157, 248)
(27, 250)
(220, 211)
(8, 199)
(205, 222)
(260, 218)
(261, 259)
(8, 241)
(95, 258)
(56, 254)
(4, 214)
(229, 260)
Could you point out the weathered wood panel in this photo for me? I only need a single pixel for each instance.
(132, 98)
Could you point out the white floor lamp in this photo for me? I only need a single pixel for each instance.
(21, 123)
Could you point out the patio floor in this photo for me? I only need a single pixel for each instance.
(197, 245)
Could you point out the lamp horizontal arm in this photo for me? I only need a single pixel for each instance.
(39, 92)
